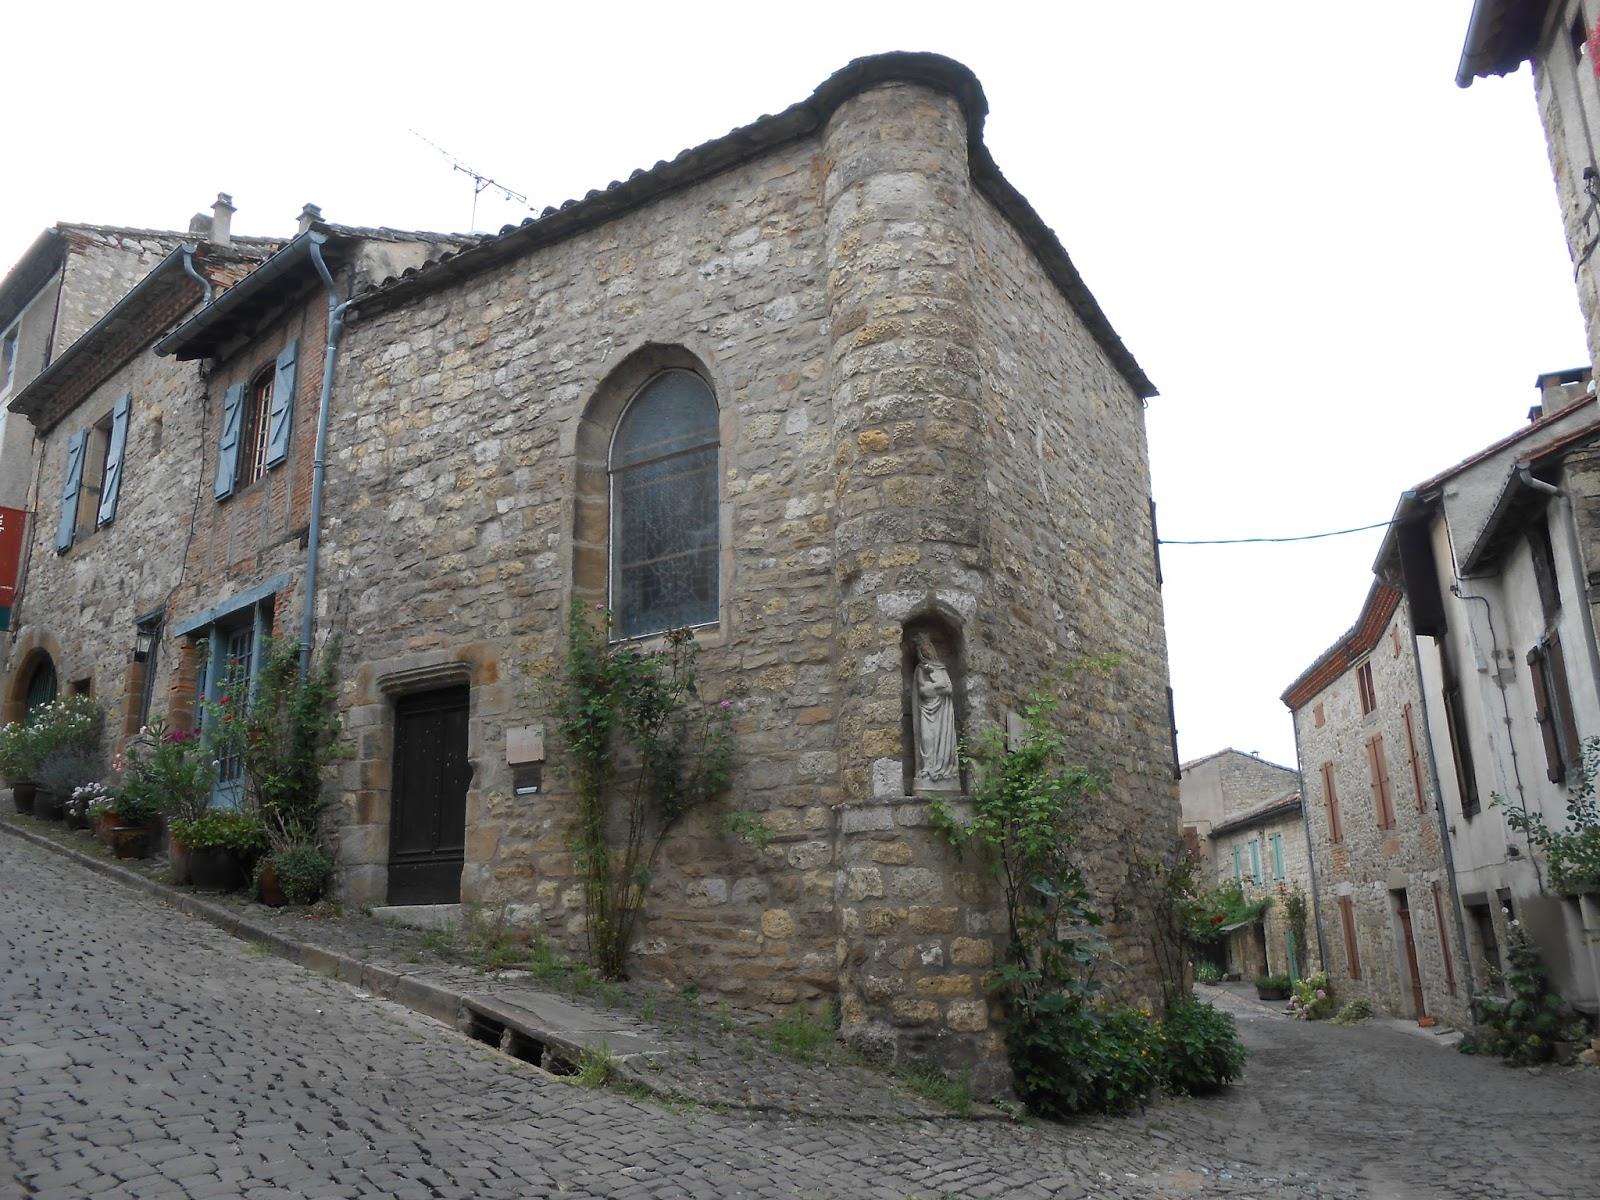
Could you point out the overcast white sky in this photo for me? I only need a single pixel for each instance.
(1342, 272)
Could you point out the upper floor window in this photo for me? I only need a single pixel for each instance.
(664, 507)
(253, 432)
(8, 359)
(1544, 568)
(1369, 697)
(93, 476)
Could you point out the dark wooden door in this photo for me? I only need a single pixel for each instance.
(427, 820)
(1404, 913)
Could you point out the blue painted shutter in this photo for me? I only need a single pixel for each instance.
(113, 477)
(281, 420)
(1277, 856)
(77, 446)
(1255, 860)
(1238, 873)
(228, 445)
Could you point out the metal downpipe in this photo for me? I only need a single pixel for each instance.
(319, 461)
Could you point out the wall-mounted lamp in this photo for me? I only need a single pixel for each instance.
(146, 633)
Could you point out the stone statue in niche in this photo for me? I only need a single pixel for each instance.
(933, 720)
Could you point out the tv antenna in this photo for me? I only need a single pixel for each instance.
(480, 182)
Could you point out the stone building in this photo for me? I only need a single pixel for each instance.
(1491, 557)
(1384, 895)
(1241, 817)
(906, 457)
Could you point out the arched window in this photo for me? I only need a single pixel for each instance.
(41, 687)
(664, 507)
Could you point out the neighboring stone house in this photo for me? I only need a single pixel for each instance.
(1384, 896)
(1490, 555)
(826, 389)
(1241, 817)
(176, 498)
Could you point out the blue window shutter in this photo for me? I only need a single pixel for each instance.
(1238, 873)
(119, 443)
(281, 420)
(1255, 860)
(77, 446)
(1277, 856)
(228, 444)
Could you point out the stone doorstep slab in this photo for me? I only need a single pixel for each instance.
(536, 1016)
(443, 917)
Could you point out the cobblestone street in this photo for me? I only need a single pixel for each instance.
(144, 1053)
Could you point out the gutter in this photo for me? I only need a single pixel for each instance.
(280, 264)
(336, 310)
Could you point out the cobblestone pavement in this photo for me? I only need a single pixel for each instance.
(143, 1053)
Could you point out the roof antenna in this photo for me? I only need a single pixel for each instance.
(480, 181)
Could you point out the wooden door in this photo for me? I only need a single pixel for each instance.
(427, 819)
(1404, 913)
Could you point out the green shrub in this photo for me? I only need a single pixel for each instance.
(1523, 1025)
(74, 725)
(1070, 1055)
(1313, 998)
(1353, 1013)
(1202, 1047)
(799, 1035)
(169, 771)
(1208, 972)
(1273, 983)
(302, 872)
(220, 829)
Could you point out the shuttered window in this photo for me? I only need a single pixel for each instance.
(1238, 868)
(1369, 697)
(1382, 790)
(1330, 797)
(280, 413)
(1352, 953)
(1420, 792)
(1255, 861)
(1319, 717)
(1455, 716)
(228, 441)
(1552, 702)
(71, 486)
(116, 448)
(1444, 939)
(1277, 856)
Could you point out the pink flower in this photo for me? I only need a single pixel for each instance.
(726, 704)
(1321, 995)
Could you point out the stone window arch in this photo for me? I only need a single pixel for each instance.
(648, 529)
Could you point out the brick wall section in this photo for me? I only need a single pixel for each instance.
(1371, 862)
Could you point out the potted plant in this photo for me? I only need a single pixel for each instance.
(1272, 987)
(292, 873)
(223, 844)
(173, 769)
(1313, 998)
(1208, 973)
(19, 758)
(123, 822)
(64, 772)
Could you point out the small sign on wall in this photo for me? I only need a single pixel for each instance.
(525, 746)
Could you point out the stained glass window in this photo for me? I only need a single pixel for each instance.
(664, 507)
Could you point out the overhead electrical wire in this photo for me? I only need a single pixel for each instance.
(1304, 537)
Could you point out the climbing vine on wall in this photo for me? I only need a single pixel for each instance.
(646, 749)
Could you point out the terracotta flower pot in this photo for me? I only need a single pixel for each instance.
(178, 860)
(268, 888)
(47, 806)
(130, 841)
(104, 823)
(215, 869)
(22, 796)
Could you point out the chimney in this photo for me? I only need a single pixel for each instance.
(309, 214)
(1560, 390)
(222, 220)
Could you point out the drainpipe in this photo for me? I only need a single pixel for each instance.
(319, 462)
(188, 269)
(1444, 831)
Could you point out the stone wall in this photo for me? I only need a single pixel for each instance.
(1246, 946)
(1370, 863)
(102, 265)
(915, 426)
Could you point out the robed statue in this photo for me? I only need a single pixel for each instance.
(933, 703)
